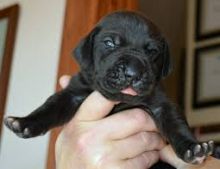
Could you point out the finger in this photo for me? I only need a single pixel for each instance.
(137, 144)
(64, 80)
(143, 161)
(95, 107)
(126, 123)
(168, 155)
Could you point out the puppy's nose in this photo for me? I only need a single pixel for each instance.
(134, 69)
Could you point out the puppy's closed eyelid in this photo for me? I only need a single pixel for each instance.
(108, 38)
(117, 40)
(114, 36)
(151, 49)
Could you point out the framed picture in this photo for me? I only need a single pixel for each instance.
(207, 77)
(8, 24)
(207, 19)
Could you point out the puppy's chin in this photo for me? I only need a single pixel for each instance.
(121, 97)
(127, 95)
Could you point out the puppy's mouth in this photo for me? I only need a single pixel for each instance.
(121, 90)
(120, 84)
(129, 91)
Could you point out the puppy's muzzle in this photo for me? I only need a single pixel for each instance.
(126, 72)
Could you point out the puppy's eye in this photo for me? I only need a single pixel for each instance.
(109, 43)
(151, 50)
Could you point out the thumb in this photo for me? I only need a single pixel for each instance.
(95, 107)
(169, 156)
(64, 80)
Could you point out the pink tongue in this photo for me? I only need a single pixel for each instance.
(129, 91)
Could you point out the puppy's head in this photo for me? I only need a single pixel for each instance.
(124, 57)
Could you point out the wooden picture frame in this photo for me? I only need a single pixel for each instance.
(207, 76)
(202, 114)
(8, 25)
(207, 19)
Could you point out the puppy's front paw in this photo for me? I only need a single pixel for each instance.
(23, 127)
(197, 153)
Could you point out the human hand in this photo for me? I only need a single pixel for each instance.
(124, 140)
(167, 154)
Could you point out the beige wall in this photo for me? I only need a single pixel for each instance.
(170, 17)
(33, 76)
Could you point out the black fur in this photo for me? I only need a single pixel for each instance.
(124, 50)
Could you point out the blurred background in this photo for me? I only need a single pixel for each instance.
(36, 42)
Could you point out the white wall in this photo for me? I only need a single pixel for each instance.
(33, 76)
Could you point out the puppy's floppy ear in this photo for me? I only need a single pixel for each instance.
(83, 52)
(167, 66)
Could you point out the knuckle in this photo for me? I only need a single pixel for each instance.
(98, 155)
(146, 160)
(140, 116)
(83, 141)
(102, 162)
(105, 159)
(145, 137)
(81, 144)
(157, 141)
(153, 139)
(143, 119)
(150, 158)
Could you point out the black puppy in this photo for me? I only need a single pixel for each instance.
(124, 57)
